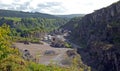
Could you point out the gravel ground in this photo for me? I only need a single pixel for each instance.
(38, 50)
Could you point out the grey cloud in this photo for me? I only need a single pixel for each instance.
(15, 5)
(4, 5)
(11, 8)
(49, 4)
(39, 9)
(51, 7)
(58, 10)
(54, 7)
(24, 6)
(53, 3)
(19, 7)
(16, 0)
(88, 4)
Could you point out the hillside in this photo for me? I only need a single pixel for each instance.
(99, 34)
(71, 15)
(72, 24)
(20, 14)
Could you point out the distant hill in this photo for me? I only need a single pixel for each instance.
(71, 15)
(21, 14)
(10, 13)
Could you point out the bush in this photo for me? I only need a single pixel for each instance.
(67, 45)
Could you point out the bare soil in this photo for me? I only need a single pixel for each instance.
(38, 50)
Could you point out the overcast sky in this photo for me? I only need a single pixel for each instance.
(56, 6)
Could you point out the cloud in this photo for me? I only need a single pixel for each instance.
(15, 5)
(55, 6)
(23, 6)
(51, 7)
(4, 5)
(49, 4)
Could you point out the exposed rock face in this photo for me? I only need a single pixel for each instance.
(73, 23)
(100, 33)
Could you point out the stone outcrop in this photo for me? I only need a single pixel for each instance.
(99, 32)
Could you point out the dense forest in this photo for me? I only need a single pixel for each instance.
(32, 27)
(21, 24)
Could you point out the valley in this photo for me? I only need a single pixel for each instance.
(34, 41)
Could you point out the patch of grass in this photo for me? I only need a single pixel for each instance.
(31, 40)
(67, 45)
(13, 18)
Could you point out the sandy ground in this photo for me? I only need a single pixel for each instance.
(37, 50)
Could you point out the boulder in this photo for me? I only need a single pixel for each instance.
(71, 53)
(49, 52)
(26, 42)
(27, 55)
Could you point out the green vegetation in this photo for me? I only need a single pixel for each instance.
(31, 28)
(15, 19)
(10, 58)
(67, 45)
(32, 24)
(22, 24)
(26, 26)
(31, 40)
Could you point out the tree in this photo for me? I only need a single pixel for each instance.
(5, 41)
(9, 57)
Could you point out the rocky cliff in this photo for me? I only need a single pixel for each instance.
(99, 32)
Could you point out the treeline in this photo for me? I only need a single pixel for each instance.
(20, 14)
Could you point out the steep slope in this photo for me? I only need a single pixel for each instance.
(100, 24)
(99, 32)
(70, 25)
